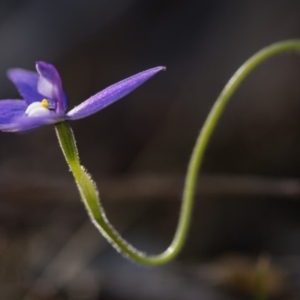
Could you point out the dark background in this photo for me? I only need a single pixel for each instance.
(247, 211)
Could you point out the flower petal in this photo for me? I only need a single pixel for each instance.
(26, 82)
(49, 85)
(24, 123)
(11, 109)
(111, 94)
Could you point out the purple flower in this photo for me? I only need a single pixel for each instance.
(46, 103)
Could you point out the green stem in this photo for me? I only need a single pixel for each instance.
(89, 192)
(261, 278)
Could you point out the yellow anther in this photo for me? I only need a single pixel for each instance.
(45, 103)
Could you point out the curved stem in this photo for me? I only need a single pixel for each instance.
(89, 192)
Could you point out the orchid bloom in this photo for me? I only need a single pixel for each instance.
(44, 101)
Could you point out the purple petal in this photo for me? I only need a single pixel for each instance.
(49, 85)
(24, 123)
(26, 82)
(111, 94)
(11, 109)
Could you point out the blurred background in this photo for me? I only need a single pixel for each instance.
(247, 212)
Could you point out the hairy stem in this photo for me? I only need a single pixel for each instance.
(89, 193)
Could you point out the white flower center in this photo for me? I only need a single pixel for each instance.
(36, 109)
